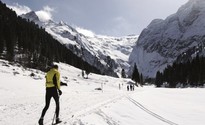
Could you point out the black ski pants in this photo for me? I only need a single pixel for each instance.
(51, 92)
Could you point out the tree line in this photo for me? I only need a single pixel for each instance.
(25, 42)
(190, 73)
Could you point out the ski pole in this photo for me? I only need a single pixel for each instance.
(53, 118)
(55, 112)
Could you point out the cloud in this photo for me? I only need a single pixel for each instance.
(19, 9)
(45, 14)
(85, 32)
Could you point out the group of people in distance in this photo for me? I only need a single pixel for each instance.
(131, 87)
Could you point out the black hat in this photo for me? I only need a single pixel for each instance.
(55, 66)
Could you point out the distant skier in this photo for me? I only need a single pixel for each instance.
(128, 87)
(133, 87)
(83, 74)
(52, 90)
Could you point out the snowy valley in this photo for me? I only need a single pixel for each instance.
(104, 99)
(22, 100)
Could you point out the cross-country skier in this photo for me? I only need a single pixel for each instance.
(52, 90)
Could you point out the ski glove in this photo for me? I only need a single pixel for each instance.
(60, 92)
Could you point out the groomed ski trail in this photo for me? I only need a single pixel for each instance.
(150, 112)
(73, 117)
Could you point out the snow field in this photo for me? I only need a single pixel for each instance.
(22, 100)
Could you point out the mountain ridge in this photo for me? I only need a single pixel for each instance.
(109, 54)
(164, 41)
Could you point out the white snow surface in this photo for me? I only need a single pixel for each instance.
(22, 100)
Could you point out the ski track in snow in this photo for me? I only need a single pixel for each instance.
(109, 120)
(106, 118)
(84, 110)
(90, 110)
(150, 112)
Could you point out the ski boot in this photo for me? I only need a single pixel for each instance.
(58, 121)
(40, 121)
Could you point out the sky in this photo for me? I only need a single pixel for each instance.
(102, 17)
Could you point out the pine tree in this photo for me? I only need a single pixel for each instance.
(141, 80)
(159, 79)
(1, 36)
(123, 75)
(135, 74)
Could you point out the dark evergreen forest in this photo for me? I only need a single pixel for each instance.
(24, 42)
(191, 73)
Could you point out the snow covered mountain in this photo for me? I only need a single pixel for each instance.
(179, 37)
(109, 54)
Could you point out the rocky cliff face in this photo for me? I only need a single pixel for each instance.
(179, 37)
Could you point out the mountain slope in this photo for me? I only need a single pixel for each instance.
(108, 54)
(24, 42)
(178, 37)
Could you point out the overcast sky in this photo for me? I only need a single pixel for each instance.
(104, 17)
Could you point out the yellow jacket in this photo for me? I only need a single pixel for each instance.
(49, 78)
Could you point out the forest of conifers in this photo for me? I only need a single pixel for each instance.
(26, 43)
